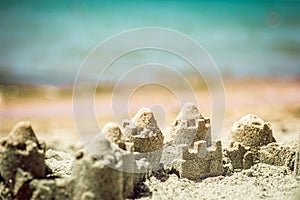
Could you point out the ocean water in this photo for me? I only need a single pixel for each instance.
(44, 42)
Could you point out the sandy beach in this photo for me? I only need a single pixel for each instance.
(275, 100)
(149, 100)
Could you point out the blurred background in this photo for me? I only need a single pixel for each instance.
(255, 44)
(41, 39)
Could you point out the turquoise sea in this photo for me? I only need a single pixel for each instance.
(44, 42)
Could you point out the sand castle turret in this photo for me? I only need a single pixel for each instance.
(189, 126)
(113, 133)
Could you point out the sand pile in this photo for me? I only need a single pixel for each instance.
(134, 161)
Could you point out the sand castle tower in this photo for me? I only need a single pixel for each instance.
(21, 155)
(190, 150)
(252, 131)
(189, 126)
(249, 133)
(93, 170)
(144, 137)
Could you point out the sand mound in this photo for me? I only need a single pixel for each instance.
(252, 131)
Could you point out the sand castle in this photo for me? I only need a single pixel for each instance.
(119, 159)
(22, 157)
(190, 151)
(24, 170)
(144, 137)
(253, 142)
(28, 174)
